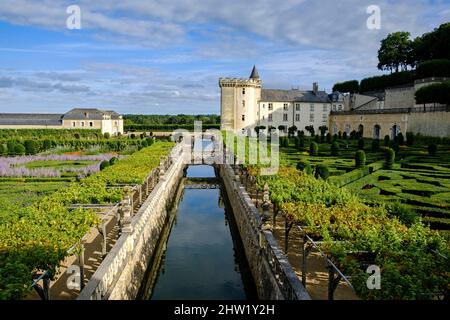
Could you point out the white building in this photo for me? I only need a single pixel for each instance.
(245, 105)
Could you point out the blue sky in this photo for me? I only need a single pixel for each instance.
(166, 56)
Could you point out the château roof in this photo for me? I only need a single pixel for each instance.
(254, 74)
(90, 113)
(294, 95)
(24, 119)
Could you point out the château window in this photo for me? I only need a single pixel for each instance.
(82, 124)
(311, 107)
(311, 117)
(270, 118)
(243, 103)
(285, 106)
(243, 90)
(297, 107)
(243, 117)
(285, 117)
(270, 106)
(74, 124)
(297, 117)
(91, 124)
(325, 107)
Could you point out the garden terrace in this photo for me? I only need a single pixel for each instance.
(36, 237)
(354, 235)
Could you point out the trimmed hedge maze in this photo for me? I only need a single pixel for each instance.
(422, 183)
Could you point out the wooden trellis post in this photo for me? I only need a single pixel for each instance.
(125, 210)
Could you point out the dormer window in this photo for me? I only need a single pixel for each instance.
(86, 115)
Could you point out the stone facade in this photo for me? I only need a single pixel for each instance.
(78, 118)
(245, 105)
(391, 112)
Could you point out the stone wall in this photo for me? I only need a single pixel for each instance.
(434, 124)
(121, 273)
(274, 277)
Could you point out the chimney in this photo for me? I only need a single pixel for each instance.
(315, 87)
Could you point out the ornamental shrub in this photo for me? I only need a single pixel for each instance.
(313, 149)
(329, 138)
(106, 135)
(389, 158)
(360, 159)
(19, 149)
(405, 214)
(400, 139)
(304, 166)
(322, 172)
(150, 141)
(361, 144)
(31, 147)
(334, 149)
(409, 138)
(3, 150)
(375, 145)
(113, 160)
(144, 143)
(387, 140)
(105, 164)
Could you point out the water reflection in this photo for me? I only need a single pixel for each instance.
(204, 257)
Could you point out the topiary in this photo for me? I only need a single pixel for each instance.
(313, 149)
(106, 135)
(409, 138)
(105, 164)
(19, 149)
(322, 171)
(329, 138)
(375, 145)
(344, 135)
(150, 141)
(31, 147)
(113, 160)
(360, 159)
(304, 166)
(334, 149)
(400, 139)
(47, 144)
(144, 143)
(3, 150)
(361, 144)
(389, 158)
(386, 140)
(432, 149)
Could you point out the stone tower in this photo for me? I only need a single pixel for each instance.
(239, 102)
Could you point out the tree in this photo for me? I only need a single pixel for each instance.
(351, 86)
(292, 130)
(31, 147)
(395, 51)
(433, 45)
(311, 130)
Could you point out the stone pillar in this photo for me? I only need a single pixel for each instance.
(266, 204)
(126, 211)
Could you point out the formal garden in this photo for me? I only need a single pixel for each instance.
(368, 202)
(413, 172)
(44, 172)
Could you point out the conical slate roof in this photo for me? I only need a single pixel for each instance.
(254, 74)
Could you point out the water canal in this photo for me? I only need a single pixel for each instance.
(201, 254)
